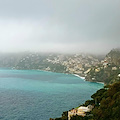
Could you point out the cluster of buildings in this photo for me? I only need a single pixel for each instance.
(75, 64)
(106, 63)
(81, 111)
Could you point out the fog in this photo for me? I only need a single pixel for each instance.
(66, 26)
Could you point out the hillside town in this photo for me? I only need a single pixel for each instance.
(105, 70)
(75, 64)
(105, 102)
(85, 65)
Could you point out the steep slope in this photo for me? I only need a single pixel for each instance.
(106, 102)
(108, 71)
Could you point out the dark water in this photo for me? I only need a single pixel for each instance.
(39, 95)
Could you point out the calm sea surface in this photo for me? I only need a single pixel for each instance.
(39, 95)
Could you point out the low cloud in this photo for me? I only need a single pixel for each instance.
(59, 26)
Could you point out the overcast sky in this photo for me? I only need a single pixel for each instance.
(71, 26)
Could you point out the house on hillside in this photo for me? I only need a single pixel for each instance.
(81, 111)
(114, 68)
(118, 75)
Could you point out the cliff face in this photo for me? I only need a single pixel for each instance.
(114, 57)
(108, 71)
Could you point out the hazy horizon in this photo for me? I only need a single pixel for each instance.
(59, 26)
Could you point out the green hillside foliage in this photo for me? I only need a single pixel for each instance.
(107, 75)
(109, 100)
(106, 103)
(81, 118)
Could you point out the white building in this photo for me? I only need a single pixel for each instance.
(81, 111)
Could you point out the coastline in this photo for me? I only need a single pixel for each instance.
(69, 111)
(83, 78)
(101, 83)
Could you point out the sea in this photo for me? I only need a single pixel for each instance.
(40, 95)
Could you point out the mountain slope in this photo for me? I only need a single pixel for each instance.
(108, 71)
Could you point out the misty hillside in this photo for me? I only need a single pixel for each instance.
(108, 71)
(95, 69)
(114, 56)
(74, 63)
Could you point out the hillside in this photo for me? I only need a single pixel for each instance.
(106, 104)
(114, 57)
(92, 68)
(108, 71)
(106, 101)
(62, 63)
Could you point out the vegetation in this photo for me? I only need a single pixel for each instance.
(64, 116)
(106, 103)
(107, 71)
(114, 56)
(106, 75)
(81, 118)
(109, 99)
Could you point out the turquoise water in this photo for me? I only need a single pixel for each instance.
(39, 95)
